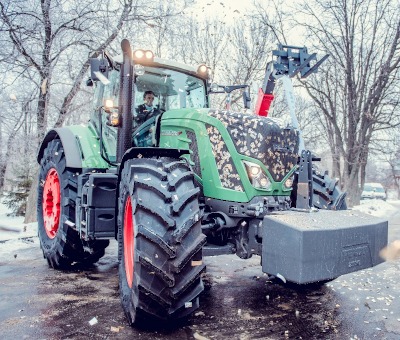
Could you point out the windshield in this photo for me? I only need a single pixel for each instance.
(172, 89)
(375, 188)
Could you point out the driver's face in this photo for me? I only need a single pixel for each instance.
(148, 99)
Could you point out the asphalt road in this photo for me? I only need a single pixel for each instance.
(37, 302)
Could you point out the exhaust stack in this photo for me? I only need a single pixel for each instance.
(126, 99)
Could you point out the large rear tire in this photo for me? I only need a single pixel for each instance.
(59, 241)
(159, 239)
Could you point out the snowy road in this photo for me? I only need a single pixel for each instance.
(39, 303)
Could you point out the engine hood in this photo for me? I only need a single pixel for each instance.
(254, 136)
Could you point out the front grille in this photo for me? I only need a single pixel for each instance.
(263, 139)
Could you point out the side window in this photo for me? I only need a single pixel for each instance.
(98, 96)
(98, 89)
(109, 133)
(178, 101)
(111, 91)
(196, 97)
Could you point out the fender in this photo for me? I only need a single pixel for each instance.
(81, 146)
(150, 152)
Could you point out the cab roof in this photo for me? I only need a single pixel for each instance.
(170, 64)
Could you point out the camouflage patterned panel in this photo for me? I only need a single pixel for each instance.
(228, 175)
(195, 155)
(262, 138)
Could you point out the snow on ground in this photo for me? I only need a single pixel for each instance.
(378, 208)
(385, 210)
(15, 234)
(12, 228)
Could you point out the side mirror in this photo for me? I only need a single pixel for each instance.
(89, 82)
(246, 99)
(99, 70)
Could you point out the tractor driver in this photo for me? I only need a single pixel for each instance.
(147, 109)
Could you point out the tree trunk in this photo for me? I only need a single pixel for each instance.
(44, 96)
(42, 107)
(396, 183)
(31, 212)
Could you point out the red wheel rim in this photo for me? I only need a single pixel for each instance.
(51, 203)
(129, 242)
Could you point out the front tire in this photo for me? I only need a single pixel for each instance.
(327, 194)
(57, 190)
(159, 239)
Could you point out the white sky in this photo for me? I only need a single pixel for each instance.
(227, 11)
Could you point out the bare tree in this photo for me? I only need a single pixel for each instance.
(66, 104)
(12, 128)
(389, 155)
(42, 34)
(271, 17)
(36, 42)
(153, 23)
(166, 21)
(250, 47)
(201, 42)
(357, 93)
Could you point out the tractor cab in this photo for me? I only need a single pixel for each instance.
(175, 86)
(173, 89)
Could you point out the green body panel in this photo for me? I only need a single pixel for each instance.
(174, 127)
(88, 143)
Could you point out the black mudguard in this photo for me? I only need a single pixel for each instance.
(68, 140)
(148, 152)
(306, 247)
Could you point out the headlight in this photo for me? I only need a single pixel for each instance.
(255, 171)
(264, 182)
(149, 55)
(202, 69)
(114, 119)
(138, 54)
(108, 105)
(257, 176)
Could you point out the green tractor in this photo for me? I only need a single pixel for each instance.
(190, 181)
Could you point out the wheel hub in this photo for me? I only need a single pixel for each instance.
(51, 203)
(129, 242)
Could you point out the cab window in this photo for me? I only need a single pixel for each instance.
(173, 90)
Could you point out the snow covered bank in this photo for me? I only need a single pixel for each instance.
(15, 235)
(379, 208)
(12, 228)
